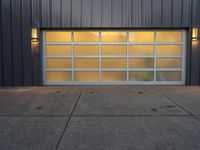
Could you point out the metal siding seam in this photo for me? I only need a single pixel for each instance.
(7, 47)
(16, 43)
(11, 41)
(1, 59)
(26, 31)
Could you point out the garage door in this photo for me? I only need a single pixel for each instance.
(114, 57)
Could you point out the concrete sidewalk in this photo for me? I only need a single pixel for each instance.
(100, 118)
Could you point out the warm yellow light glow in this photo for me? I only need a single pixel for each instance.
(34, 35)
(194, 34)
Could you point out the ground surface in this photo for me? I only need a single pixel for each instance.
(100, 118)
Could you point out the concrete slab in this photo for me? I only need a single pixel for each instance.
(187, 97)
(38, 101)
(132, 133)
(125, 100)
(24, 133)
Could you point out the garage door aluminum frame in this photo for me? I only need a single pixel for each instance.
(127, 43)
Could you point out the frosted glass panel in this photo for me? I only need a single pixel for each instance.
(114, 50)
(141, 50)
(141, 36)
(58, 36)
(113, 76)
(113, 63)
(168, 76)
(169, 36)
(141, 63)
(59, 63)
(59, 76)
(86, 50)
(58, 50)
(113, 36)
(86, 36)
(169, 50)
(168, 63)
(141, 76)
(87, 76)
(86, 63)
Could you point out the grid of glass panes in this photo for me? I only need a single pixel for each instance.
(113, 56)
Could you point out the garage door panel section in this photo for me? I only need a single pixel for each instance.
(114, 57)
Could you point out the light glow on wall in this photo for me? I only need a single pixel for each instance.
(194, 34)
(35, 37)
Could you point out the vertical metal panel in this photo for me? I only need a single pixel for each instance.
(186, 13)
(194, 10)
(7, 44)
(66, 13)
(126, 13)
(136, 19)
(116, 13)
(46, 13)
(86, 13)
(76, 13)
(17, 43)
(96, 13)
(36, 13)
(195, 64)
(106, 13)
(36, 64)
(176, 13)
(166, 13)
(26, 37)
(196, 13)
(1, 61)
(156, 13)
(146, 13)
(188, 56)
(56, 13)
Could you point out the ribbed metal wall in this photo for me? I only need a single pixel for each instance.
(115, 13)
(20, 66)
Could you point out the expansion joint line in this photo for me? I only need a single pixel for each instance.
(70, 116)
(181, 107)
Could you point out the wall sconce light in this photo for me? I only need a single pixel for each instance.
(35, 36)
(194, 34)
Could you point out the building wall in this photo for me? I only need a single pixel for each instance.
(20, 65)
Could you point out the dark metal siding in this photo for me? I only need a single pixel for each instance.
(7, 43)
(66, 13)
(176, 11)
(46, 13)
(96, 13)
(156, 13)
(19, 65)
(76, 13)
(1, 61)
(126, 13)
(166, 13)
(136, 16)
(86, 12)
(17, 43)
(26, 43)
(195, 63)
(115, 13)
(106, 13)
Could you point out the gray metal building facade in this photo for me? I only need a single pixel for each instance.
(20, 62)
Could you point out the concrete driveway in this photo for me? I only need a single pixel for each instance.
(100, 118)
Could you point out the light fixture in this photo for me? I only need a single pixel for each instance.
(194, 34)
(35, 37)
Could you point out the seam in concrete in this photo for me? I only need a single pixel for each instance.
(70, 116)
(131, 116)
(42, 116)
(181, 107)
